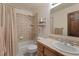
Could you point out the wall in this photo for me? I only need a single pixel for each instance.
(60, 17)
(35, 27)
(44, 12)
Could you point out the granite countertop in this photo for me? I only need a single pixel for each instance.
(49, 42)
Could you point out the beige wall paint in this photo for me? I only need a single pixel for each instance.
(44, 12)
(60, 17)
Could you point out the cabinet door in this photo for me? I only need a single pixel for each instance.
(40, 46)
(39, 53)
(40, 49)
(47, 52)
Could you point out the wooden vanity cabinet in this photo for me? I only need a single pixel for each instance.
(40, 49)
(48, 52)
(44, 50)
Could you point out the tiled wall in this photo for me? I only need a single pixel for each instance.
(23, 27)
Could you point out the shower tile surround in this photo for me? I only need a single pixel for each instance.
(66, 39)
(23, 27)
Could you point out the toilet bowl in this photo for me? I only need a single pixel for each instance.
(31, 48)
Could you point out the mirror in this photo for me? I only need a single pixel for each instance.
(65, 20)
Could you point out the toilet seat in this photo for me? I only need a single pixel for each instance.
(32, 48)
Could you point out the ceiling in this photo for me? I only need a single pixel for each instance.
(28, 6)
(35, 6)
(61, 6)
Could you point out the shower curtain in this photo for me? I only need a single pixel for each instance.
(1, 43)
(1, 37)
(8, 24)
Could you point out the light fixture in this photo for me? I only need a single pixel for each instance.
(53, 5)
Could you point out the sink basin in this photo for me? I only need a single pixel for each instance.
(66, 47)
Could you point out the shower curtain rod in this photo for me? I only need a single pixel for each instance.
(15, 8)
(24, 14)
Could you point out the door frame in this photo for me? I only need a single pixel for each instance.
(68, 21)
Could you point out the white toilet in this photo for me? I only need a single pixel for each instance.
(31, 48)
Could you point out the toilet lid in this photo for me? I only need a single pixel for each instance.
(32, 47)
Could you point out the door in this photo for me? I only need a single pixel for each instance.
(73, 24)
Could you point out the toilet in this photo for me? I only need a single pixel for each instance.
(31, 48)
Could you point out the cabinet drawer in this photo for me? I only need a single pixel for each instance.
(40, 46)
(47, 52)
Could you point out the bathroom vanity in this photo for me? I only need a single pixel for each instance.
(44, 50)
(46, 47)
